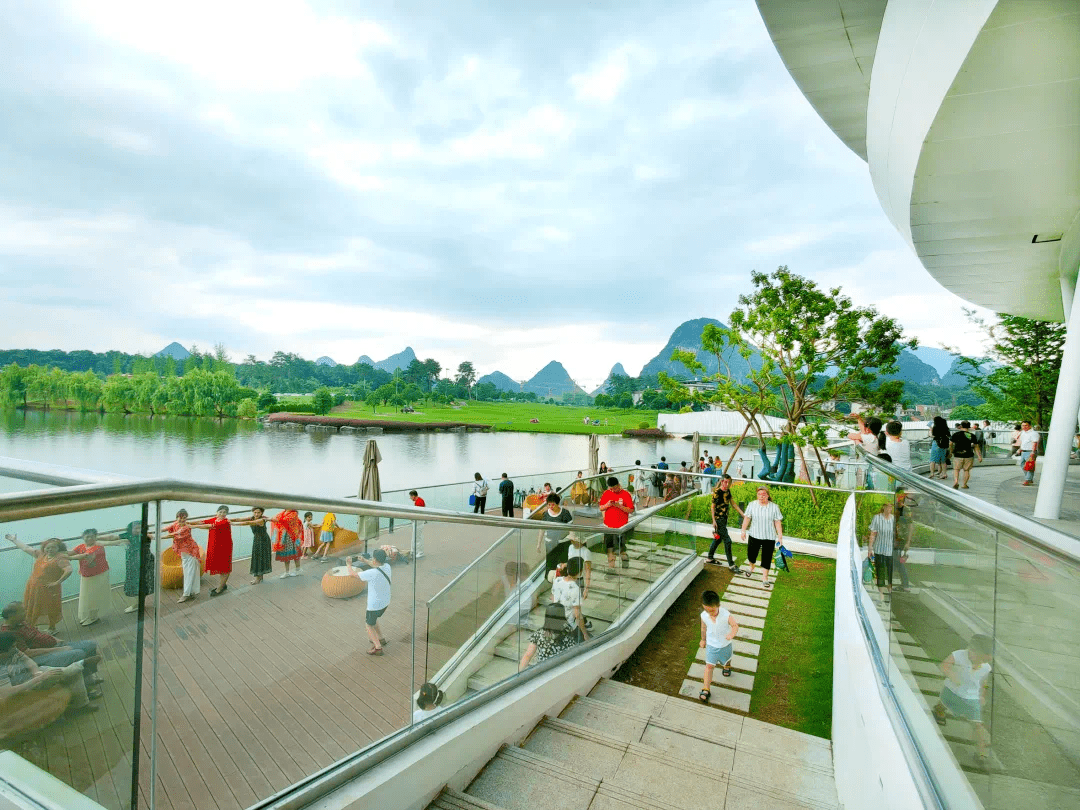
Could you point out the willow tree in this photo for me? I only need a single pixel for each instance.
(807, 348)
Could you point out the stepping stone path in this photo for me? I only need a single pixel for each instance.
(748, 601)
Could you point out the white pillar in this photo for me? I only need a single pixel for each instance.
(1055, 464)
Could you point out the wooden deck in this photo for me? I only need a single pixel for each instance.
(258, 688)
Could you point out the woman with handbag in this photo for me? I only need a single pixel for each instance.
(479, 495)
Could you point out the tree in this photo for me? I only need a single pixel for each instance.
(1023, 386)
(86, 389)
(625, 400)
(322, 400)
(466, 376)
(815, 347)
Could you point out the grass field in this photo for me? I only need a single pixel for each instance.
(511, 416)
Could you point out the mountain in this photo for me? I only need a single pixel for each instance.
(325, 361)
(395, 361)
(500, 381)
(551, 381)
(615, 369)
(940, 359)
(954, 379)
(175, 351)
(365, 360)
(688, 336)
(911, 369)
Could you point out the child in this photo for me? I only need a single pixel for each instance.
(718, 628)
(428, 701)
(964, 692)
(326, 536)
(308, 542)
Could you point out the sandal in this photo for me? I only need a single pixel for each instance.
(704, 696)
(746, 574)
(375, 651)
(767, 586)
(726, 671)
(383, 642)
(981, 761)
(939, 715)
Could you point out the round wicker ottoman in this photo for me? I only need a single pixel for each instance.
(172, 572)
(337, 584)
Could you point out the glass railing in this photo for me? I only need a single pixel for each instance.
(974, 614)
(252, 684)
(455, 496)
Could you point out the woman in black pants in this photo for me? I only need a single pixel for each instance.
(480, 491)
(765, 522)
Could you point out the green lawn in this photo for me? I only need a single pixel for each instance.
(793, 684)
(511, 416)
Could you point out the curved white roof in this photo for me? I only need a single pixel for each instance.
(970, 123)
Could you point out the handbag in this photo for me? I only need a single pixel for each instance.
(472, 499)
(1029, 465)
(867, 572)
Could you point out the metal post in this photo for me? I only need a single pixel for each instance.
(157, 647)
(412, 666)
(136, 729)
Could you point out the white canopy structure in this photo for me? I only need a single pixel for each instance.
(968, 115)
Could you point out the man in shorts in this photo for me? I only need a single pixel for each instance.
(378, 579)
(964, 450)
(616, 506)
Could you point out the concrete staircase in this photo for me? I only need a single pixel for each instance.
(611, 593)
(626, 748)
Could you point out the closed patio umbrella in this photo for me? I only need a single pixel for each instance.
(370, 490)
(594, 454)
(696, 451)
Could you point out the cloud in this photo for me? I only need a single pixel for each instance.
(507, 184)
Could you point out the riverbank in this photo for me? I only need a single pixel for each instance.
(522, 417)
(348, 425)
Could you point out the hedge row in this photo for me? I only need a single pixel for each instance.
(802, 518)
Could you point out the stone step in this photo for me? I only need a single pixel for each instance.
(632, 726)
(744, 610)
(744, 619)
(736, 680)
(743, 662)
(516, 779)
(610, 796)
(731, 595)
(755, 582)
(451, 799)
(744, 647)
(735, 588)
(492, 672)
(588, 751)
(718, 696)
(747, 633)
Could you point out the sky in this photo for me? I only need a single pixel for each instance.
(502, 183)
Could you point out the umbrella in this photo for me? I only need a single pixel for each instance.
(696, 451)
(370, 490)
(594, 454)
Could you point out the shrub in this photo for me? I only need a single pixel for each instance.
(643, 425)
(802, 518)
(247, 409)
(322, 401)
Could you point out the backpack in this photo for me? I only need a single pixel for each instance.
(658, 480)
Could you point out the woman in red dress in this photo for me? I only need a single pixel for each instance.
(219, 549)
(287, 540)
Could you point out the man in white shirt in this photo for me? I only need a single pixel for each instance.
(566, 592)
(898, 448)
(1029, 451)
(378, 582)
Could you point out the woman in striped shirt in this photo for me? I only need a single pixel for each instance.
(765, 522)
(880, 548)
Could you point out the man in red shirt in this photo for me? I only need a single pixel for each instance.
(48, 650)
(418, 527)
(616, 504)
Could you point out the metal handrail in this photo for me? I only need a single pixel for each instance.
(473, 481)
(1045, 537)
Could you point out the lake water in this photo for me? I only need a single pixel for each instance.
(239, 453)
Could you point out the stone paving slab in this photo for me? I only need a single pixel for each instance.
(805, 783)
(755, 593)
(718, 696)
(744, 647)
(743, 662)
(748, 633)
(515, 783)
(747, 621)
(751, 583)
(744, 610)
(742, 599)
(736, 680)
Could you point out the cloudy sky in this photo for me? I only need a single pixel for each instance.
(503, 183)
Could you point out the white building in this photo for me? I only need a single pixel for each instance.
(967, 113)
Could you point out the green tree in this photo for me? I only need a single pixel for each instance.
(384, 393)
(1023, 385)
(85, 388)
(247, 409)
(466, 376)
(322, 400)
(625, 400)
(13, 385)
(118, 394)
(815, 347)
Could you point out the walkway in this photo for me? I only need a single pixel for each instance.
(1001, 485)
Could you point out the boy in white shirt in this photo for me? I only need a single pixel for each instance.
(898, 448)
(718, 628)
(967, 675)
